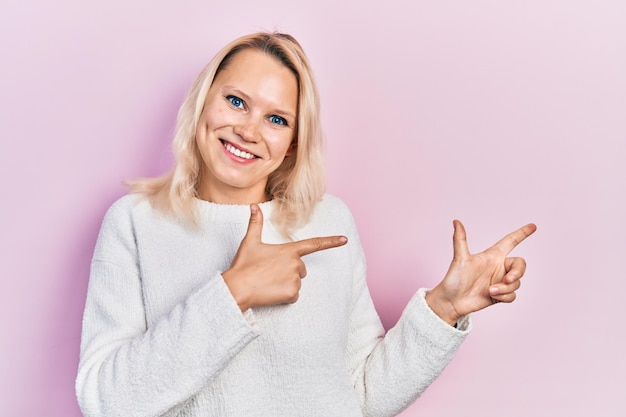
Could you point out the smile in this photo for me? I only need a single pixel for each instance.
(238, 152)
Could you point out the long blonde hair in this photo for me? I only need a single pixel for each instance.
(298, 183)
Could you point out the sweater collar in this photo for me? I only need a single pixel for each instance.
(230, 213)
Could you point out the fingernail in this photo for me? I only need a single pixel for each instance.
(253, 208)
(343, 239)
(493, 291)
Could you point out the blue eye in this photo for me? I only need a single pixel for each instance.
(278, 120)
(235, 101)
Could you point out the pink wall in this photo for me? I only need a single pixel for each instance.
(497, 113)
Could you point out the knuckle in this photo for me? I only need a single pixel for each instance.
(292, 262)
(522, 262)
(293, 293)
(519, 265)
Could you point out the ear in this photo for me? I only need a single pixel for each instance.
(293, 147)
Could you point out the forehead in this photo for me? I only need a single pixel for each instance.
(258, 73)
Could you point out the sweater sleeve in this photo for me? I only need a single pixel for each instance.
(129, 369)
(390, 371)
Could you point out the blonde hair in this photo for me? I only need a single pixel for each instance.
(297, 184)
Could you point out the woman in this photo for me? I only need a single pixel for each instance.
(197, 304)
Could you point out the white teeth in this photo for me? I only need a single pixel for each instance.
(237, 152)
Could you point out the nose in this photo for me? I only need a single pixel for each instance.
(248, 130)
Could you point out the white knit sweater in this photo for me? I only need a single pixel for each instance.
(162, 335)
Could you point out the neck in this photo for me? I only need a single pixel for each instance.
(233, 196)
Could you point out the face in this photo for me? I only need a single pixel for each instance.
(246, 128)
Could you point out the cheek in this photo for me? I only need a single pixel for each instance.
(280, 142)
(210, 121)
(204, 131)
(213, 117)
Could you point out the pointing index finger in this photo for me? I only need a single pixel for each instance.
(510, 241)
(315, 244)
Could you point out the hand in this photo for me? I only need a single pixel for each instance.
(474, 282)
(263, 274)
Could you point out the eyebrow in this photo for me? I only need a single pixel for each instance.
(246, 97)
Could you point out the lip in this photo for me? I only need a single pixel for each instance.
(235, 157)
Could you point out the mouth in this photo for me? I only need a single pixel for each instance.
(237, 152)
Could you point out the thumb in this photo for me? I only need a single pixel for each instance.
(459, 240)
(255, 225)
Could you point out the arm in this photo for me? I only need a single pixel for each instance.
(390, 371)
(415, 351)
(129, 369)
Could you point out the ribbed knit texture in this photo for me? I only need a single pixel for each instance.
(162, 335)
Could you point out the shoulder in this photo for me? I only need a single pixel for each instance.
(332, 216)
(127, 217)
(116, 240)
(118, 221)
(334, 207)
(127, 207)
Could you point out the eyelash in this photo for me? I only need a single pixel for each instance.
(239, 103)
(281, 121)
(232, 99)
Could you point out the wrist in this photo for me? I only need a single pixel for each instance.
(442, 307)
(240, 297)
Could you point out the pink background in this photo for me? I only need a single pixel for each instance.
(496, 113)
